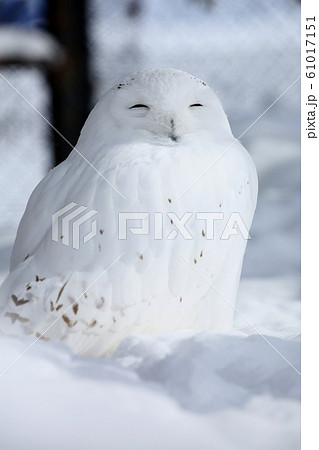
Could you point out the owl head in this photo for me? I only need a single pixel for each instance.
(157, 106)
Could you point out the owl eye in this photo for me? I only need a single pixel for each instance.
(139, 105)
(195, 104)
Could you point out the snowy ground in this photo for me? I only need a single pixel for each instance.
(175, 391)
(183, 390)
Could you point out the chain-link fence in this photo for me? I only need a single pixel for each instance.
(247, 51)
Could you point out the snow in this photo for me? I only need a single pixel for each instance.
(24, 146)
(29, 46)
(176, 390)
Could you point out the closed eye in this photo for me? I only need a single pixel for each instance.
(195, 104)
(139, 105)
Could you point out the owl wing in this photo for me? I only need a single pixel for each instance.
(36, 219)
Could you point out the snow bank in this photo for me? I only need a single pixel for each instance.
(24, 45)
(175, 391)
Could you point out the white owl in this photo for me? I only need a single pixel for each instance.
(159, 146)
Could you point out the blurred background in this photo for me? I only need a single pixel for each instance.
(62, 56)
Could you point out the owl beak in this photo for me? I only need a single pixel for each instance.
(172, 135)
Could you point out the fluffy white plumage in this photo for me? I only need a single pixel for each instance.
(151, 154)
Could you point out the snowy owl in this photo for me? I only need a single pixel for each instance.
(135, 232)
